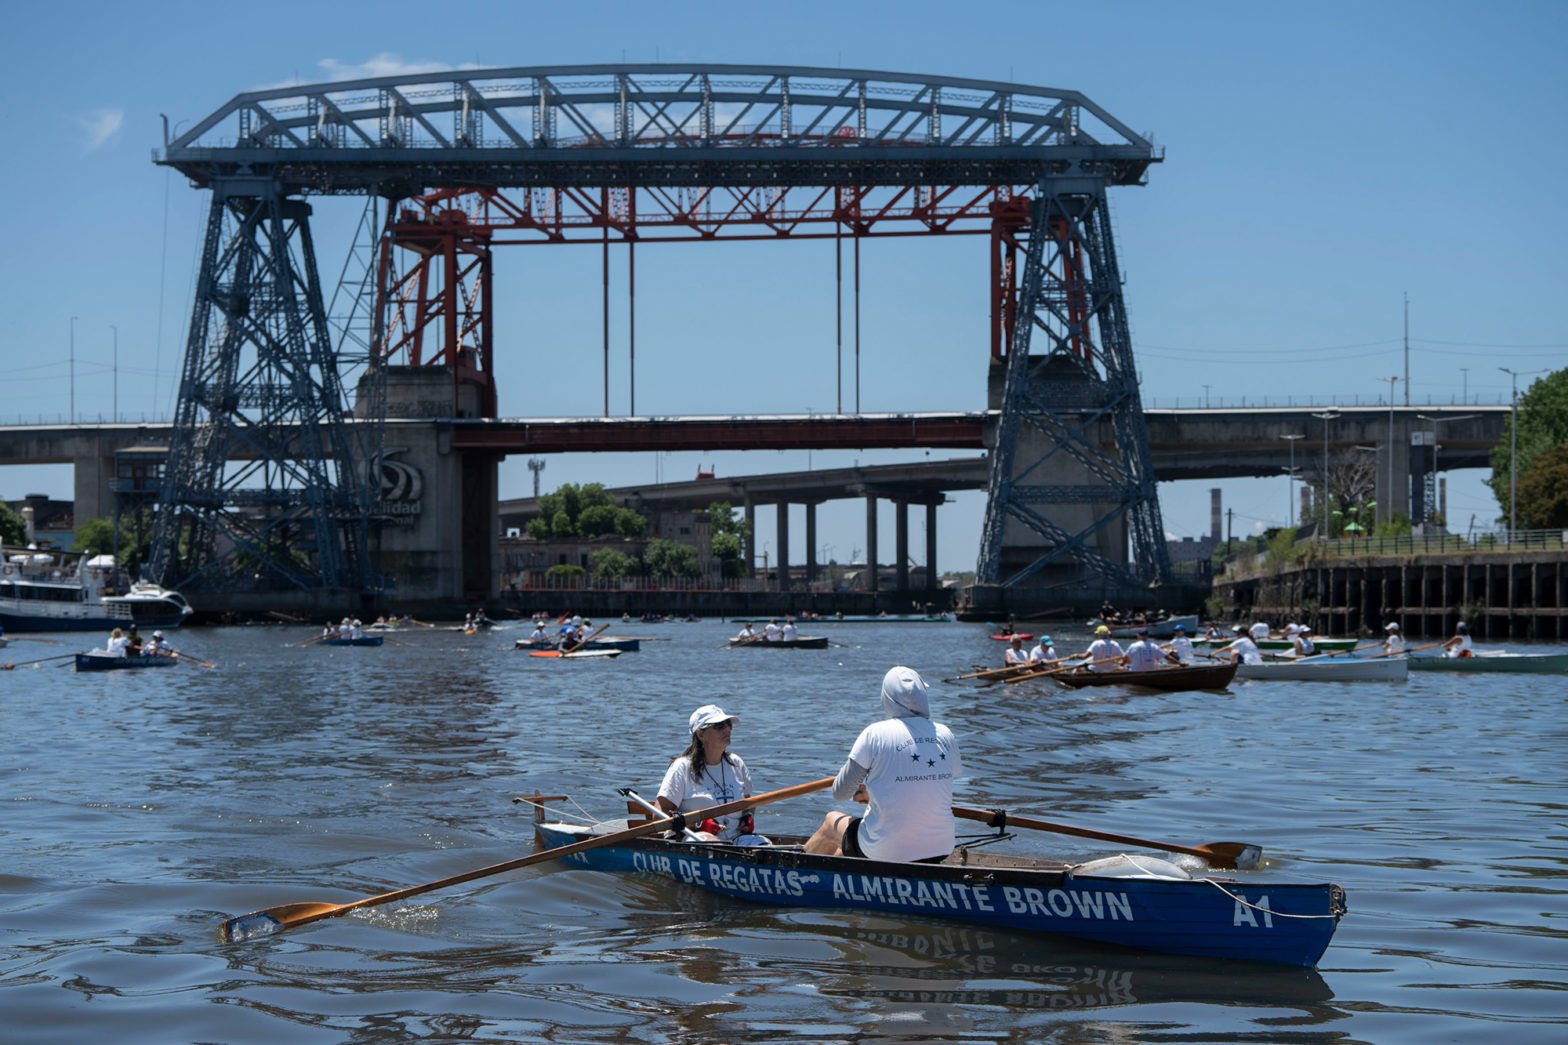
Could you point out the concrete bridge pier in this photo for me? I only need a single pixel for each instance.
(871, 541)
(901, 544)
(811, 543)
(783, 542)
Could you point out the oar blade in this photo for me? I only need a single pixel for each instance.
(274, 919)
(1237, 855)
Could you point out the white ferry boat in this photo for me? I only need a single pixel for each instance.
(43, 589)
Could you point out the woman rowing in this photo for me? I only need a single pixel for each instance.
(708, 774)
(1459, 645)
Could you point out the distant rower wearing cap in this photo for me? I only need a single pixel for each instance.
(1043, 651)
(1395, 642)
(1106, 649)
(1459, 645)
(1144, 655)
(1181, 645)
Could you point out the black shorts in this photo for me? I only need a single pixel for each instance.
(850, 846)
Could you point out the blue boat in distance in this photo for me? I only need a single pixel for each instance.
(363, 640)
(98, 661)
(1104, 901)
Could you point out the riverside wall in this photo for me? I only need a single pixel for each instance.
(1500, 595)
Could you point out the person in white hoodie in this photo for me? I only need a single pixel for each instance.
(903, 767)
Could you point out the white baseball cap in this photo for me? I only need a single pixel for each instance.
(1391, 626)
(709, 715)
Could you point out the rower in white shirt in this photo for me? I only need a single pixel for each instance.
(772, 631)
(1459, 645)
(1043, 651)
(1016, 655)
(747, 633)
(789, 633)
(1144, 655)
(1181, 645)
(1395, 642)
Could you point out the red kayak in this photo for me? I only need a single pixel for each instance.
(1017, 635)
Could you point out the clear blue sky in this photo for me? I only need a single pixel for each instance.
(1322, 161)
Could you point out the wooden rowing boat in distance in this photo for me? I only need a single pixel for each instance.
(1173, 679)
(804, 642)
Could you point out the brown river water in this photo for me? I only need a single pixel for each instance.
(141, 809)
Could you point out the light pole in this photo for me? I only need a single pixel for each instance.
(1206, 396)
(1513, 451)
(1326, 416)
(116, 415)
(1431, 508)
(73, 370)
(1465, 394)
(1290, 502)
(1388, 498)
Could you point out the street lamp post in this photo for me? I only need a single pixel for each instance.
(1388, 498)
(116, 416)
(73, 370)
(1290, 502)
(1513, 451)
(1326, 416)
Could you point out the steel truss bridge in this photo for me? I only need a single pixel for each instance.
(454, 165)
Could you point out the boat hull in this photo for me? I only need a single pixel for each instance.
(1336, 669)
(1160, 629)
(363, 640)
(104, 662)
(1527, 663)
(1323, 645)
(805, 642)
(1171, 680)
(623, 645)
(1210, 918)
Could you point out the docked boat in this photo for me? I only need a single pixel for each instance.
(1141, 902)
(1495, 660)
(1327, 669)
(97, 660)
(1164, 628)
(1172, 679)
(49, 590)
(1025, 635)
(804, 642)
(363, 640)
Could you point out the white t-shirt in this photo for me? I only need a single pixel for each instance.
(1040, 653)
(790, 634)
(1100, 649)
(1260, 631)
(117, 647)
(771, 632)
(1144, 655)
(728, 781)
(1015, 656)
(1304, 646)
(911, 763)
(1459, 649)
(1181, 645)
(1250, 654)
(1395, 643)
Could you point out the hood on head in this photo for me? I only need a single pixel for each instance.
(904, 694)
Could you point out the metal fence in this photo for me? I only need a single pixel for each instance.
(1411, 544)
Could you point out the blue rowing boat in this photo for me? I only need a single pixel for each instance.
(1164, 910)
(363, 640)
(105, 662)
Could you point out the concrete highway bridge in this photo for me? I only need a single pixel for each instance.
(124, 460)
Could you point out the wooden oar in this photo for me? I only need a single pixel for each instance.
(1352, 651)
(567, 649)
(311, 641)
(286, 916)
(177, 655)
(40, 660)
(1402, 652)
(1058, 671)
(1219, 854)
(731, 643)
(29, 638)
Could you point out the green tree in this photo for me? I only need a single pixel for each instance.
(611, 564)
(662, 558)
(565, 569)
(13, 528)
(1543, 490)
(94, 537)
(1543, 424)
(583, 511)
(729, 539)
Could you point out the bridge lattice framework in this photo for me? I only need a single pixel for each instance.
(470, 161)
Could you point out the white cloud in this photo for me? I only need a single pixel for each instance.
(99, 126)
(383, 64)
